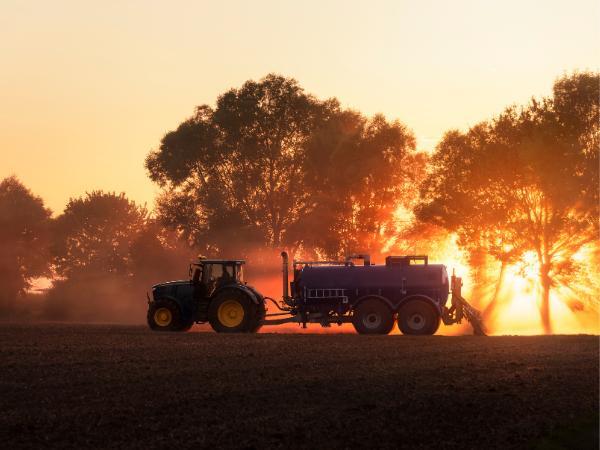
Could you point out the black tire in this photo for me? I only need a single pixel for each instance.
(259, 316)
(418, 317)
(373, 316)
(232, 311)
(164, 315)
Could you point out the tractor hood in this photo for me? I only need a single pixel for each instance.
(171, 289)
(171, 283)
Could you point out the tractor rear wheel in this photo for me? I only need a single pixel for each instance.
(372, 316)
(232, 311)
(417, 317)
(164, 315)
(259, 316)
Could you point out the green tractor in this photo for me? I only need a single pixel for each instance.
(406, 290)
(215, 293)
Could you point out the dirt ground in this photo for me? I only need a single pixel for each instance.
(119, 386)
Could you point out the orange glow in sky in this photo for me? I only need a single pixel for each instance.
(87, 89)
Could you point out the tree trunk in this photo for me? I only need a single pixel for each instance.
(490, 309)
(545, 303)
(477, 265)
(276, 229)
(546, 264)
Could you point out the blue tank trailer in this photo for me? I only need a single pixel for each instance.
(406, 290)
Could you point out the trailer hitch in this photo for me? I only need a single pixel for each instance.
(460, 308)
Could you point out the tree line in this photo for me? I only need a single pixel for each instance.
(271, 166)
(102, 252)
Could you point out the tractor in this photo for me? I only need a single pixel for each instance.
(406, 290)
(215, 293)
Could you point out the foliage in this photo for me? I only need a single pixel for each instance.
(528, 180)
(231, 172)
(95, 232)
(272, 166)
(107, 252)
(23, 239)
(357, 172)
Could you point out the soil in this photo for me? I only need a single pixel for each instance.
(124, 386)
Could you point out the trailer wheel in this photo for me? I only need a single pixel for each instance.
(417, 317)
(233, 312)
(372, 316)
(164, 315)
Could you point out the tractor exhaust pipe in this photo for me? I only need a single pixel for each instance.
(284, 257)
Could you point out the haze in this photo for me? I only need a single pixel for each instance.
(88, 89)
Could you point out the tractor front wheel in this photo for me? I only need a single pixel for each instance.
(164, 315)
(234, 312)
(372, 316)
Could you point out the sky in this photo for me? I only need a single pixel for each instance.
(87, 89)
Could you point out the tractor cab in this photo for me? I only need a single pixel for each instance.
(215, 273)
(215, 292)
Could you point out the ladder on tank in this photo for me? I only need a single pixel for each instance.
(326, 294)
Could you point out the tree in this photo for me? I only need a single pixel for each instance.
(357, 172)
(465, 194)
(272, 166)
(94, 234)
(231, 175)
(94, 262)
(526, 181)
(23, 239)
(107, 253)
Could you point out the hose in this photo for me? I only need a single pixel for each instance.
(276, 304)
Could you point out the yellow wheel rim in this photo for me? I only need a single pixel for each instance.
(163, 317)
(230, 313)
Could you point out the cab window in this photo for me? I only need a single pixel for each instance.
(240, 273)
(217, 271)
(228, 273)
(197, 274)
